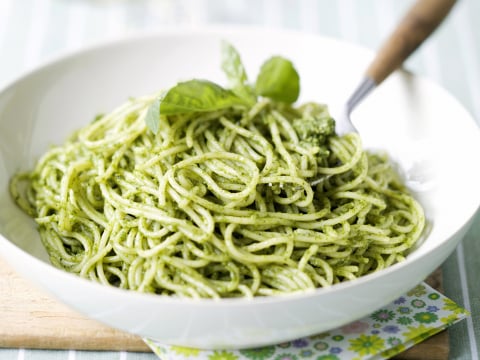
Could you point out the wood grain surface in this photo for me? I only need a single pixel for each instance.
(31, 319)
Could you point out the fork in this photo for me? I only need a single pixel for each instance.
(415, 27)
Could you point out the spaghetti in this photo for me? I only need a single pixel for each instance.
(218, 203)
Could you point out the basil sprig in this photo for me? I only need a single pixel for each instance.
(277, 80)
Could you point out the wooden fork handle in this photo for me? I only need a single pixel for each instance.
(419, 22)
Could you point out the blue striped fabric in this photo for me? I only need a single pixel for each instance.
(32, 31)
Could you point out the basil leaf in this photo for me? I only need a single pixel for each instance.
(278, 80)
(152, 119)
(233, 67)
(198, 95)
(191, 96)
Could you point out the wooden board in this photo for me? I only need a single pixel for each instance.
(31, 319)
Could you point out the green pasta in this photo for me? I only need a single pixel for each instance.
(218, 203)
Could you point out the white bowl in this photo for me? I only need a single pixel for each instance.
(430, 135)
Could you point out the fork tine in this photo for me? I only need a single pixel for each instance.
(343, 123)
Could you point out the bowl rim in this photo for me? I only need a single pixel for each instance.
(224, 30)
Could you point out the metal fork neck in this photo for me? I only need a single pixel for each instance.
(361, 91)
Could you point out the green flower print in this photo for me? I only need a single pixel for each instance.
(434, 296)
(383, 315)
(404, 320)
(387, 354)
(394, 341)
(328, 357)
(261, 353)
(425, 317)
(418, 291)
(286, 356)
(321, 345)
(155, 348)
(451, 306)
(222, 355)
(367, 344)
(404, 310)
(337, 337)
(184, 351)
(417, 303)
(306, 353)
(420, 333)
(449, 320)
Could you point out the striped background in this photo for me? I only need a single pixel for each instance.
(32, 31)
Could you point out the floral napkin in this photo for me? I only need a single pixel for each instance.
(410, 319)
